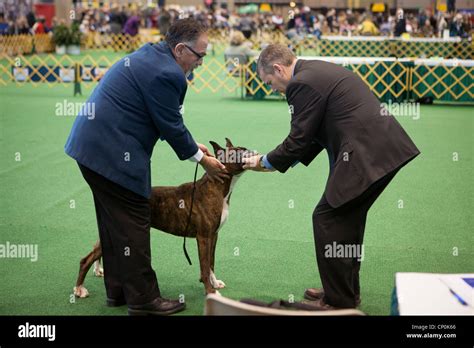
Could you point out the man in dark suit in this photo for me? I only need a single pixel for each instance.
(333, 109)
(137, 102)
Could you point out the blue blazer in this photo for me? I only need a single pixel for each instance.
(137, 102)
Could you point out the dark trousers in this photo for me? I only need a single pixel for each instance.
(123, 220)
(343, 227)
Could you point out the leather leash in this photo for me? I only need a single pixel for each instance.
(189, 217)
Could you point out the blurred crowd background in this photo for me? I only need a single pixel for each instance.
(294, 19)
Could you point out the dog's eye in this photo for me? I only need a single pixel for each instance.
(247, 153)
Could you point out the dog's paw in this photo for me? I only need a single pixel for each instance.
(98, 271)
(216, 283)
(80, 291)
(219, 284)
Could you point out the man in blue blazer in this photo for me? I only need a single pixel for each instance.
(137, 102)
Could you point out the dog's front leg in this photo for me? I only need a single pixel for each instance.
(204, 249)
(216, 283)
(213, 250)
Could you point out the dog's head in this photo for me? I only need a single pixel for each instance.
(231, 156)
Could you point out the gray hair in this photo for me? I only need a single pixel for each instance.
(185, 30)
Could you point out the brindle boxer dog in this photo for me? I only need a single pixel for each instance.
(170, 207)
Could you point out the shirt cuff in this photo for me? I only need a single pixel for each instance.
(197, 157)
(266, 163)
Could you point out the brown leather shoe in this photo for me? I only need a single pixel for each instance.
(159, 306)
(320, 305)
(314, 294)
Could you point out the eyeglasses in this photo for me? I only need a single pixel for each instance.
(199, 55)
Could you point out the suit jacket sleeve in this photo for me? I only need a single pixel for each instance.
(164, 102)
(300, 145)
(311, 154)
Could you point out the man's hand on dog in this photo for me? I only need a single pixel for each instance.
(214, 168)
(254, 163)
(204, 149)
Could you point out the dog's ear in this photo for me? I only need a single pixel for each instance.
(228, 143)
(216, 147)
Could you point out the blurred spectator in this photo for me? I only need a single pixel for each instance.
(164, 22)
(386, 26)
(40, 26)
(331, 18)
(132, 25)
(21, 27)
(400, 23)
(115, 21)
(409, 27)
(468, 21)
(368, 28)
(432, 20)
(351, 18)
(457, 28)
(346, 28)
(442, 24)
(277, 22)
(317, 30)
(451, 6)
(301, 22)
(84, 27)
(247, 26)
(422, 17)
(427, 29)
(31, 19)
(3, 25)
(239, 47)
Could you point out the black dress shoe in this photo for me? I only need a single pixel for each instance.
(315, 294)
(159, 306)
(116, 302)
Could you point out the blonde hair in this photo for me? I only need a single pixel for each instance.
(237, 38)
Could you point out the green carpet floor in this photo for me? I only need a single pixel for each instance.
(265, 251)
